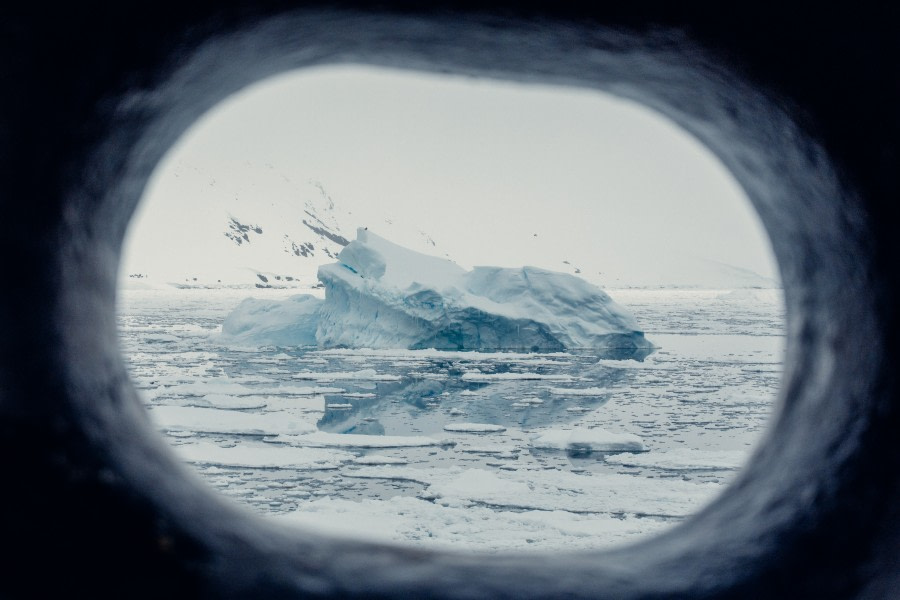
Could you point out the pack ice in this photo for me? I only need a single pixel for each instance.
(381, 295)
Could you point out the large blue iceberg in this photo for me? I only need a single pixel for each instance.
(381, 295)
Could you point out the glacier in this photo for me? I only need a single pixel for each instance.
(382, 295)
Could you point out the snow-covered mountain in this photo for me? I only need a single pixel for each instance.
(232, 234)
(253, 225)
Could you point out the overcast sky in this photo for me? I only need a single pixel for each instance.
(481, 166)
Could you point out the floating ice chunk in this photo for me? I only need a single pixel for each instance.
(479, 376)
(427, 375)
(363, 374)
(180, 434)
(560, 490)
(418, 522)
(496, 450)
(234, 402)
(633, 364)
(590, 391)
(745, 398)
(533, 401)
(751, 295)
(204, 388)
(287, 390)
(474, 484)
(683, 459)
(339, 406)
(345, 440)
(244, 455)
(763, 368)
(290, 322)
(403, 354)
(587, 440)
(160, 337)
(377, 459)
(393, 473)
(474, 428)
(212, 420)
(224, 387)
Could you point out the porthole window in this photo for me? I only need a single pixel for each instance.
(93, 102)
(478, 390)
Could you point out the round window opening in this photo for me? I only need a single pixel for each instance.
(452, 313)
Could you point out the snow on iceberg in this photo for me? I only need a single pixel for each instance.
(383, 296)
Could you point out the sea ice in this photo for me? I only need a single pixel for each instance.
(363, 374)
(587, 440)
(234, 402)
(377, 459)
(588, 391)
(703, 389)
(212, 420)
(265, 457)
(478, 376)
(683, 459)
(475, 528)
(474, 428)
(342, 440)
(227, 387)
(405, 354)
(558, 490)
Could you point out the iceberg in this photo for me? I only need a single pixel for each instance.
(289, 322)
(380, 295)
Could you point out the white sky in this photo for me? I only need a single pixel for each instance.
(481, 166)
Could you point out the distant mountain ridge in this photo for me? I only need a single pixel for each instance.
(234, 234)
(252, 225)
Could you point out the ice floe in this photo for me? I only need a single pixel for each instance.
(474, 428)
(682, 459)
(366, 374)
(587, 391)
(343, 440)
(587, 440)
(418, 522)
(212, 420)
(265, 457)
(479, 376)
(234, 402)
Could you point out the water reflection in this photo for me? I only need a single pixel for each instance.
(525, 394)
